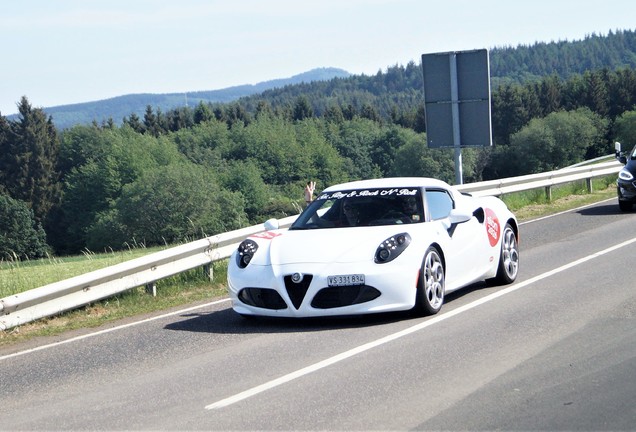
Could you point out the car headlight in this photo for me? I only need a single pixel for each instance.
(246, 251)
(625, 175)
(392, 247)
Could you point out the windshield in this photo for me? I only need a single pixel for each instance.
(362, 207)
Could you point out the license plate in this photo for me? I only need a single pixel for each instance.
(350, 279)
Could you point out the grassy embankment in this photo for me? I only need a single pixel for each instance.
(194, 286)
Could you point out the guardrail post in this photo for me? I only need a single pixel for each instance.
(548, 193)
(208, 271)
(588, 183)
(151, 288)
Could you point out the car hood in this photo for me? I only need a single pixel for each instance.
(326, 245)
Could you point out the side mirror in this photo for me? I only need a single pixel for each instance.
(456, 217)
(271, 224)
(459, 216)
(620, 156)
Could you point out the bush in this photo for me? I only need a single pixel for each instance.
(20, 236)
(180, 202)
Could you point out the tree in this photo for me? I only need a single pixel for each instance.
(179, 118)
(415, 159)
(180, 202)
(550, 94)
(272, 145)
(324, 164)
(90, 189)
(302, 109)
(245, 177)
(204, 143)
(264, 108)
(354, 141)
(154, 123)
(597, 92)
(333, 114)
(134, 122)
(202, 113)
(622, 89)
(6, 141)
(98, 163)
(369, 112)
(385, 147)
(556, 141)
(509, 114)
(236, 113)
(20, 235)
(625, 127)
(420, 119)
(29, 160)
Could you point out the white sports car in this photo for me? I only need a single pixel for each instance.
(375, 246)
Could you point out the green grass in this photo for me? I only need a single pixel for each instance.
(534, 203)
(17, 276)
(194, 286)
(185, 288)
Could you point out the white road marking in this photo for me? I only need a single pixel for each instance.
(430, 322)
(113, 329)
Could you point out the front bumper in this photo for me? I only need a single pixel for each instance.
(626, 191)
(270, 290)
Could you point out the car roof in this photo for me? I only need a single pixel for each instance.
(391, 182)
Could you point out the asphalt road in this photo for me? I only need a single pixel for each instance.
(554, 351)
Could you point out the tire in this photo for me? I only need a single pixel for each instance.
(431, 285)
(508, 257)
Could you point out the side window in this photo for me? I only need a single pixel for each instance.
(439, 203)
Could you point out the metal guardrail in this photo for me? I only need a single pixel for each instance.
(78, 291)
(543, 180)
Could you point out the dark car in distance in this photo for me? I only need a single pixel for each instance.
(626, 182)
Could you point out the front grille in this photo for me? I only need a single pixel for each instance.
(265, 298)
(297, 291)
(333, 297)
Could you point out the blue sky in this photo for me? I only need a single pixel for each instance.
(70, 51)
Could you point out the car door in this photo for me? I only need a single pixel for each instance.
(464, 246)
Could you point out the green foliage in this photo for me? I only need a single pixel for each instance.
(565, 58)
(556, 141)
(324, 165)
(90, 189)
(272, 145)
(202, 113)
(245, 178)
(415, 159)
(355, 141)
(21, 236)
(626, 129)
(98, 163)
(28, 159)
(302, 109)
(204, 144)
(171, 204)
(512, 113)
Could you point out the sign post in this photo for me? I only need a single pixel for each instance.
(457, 101)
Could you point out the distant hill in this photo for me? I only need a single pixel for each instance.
(117, 108)
(564, 58)
(398, 85)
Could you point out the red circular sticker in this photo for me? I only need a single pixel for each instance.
(492, 227)
(267, 235)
